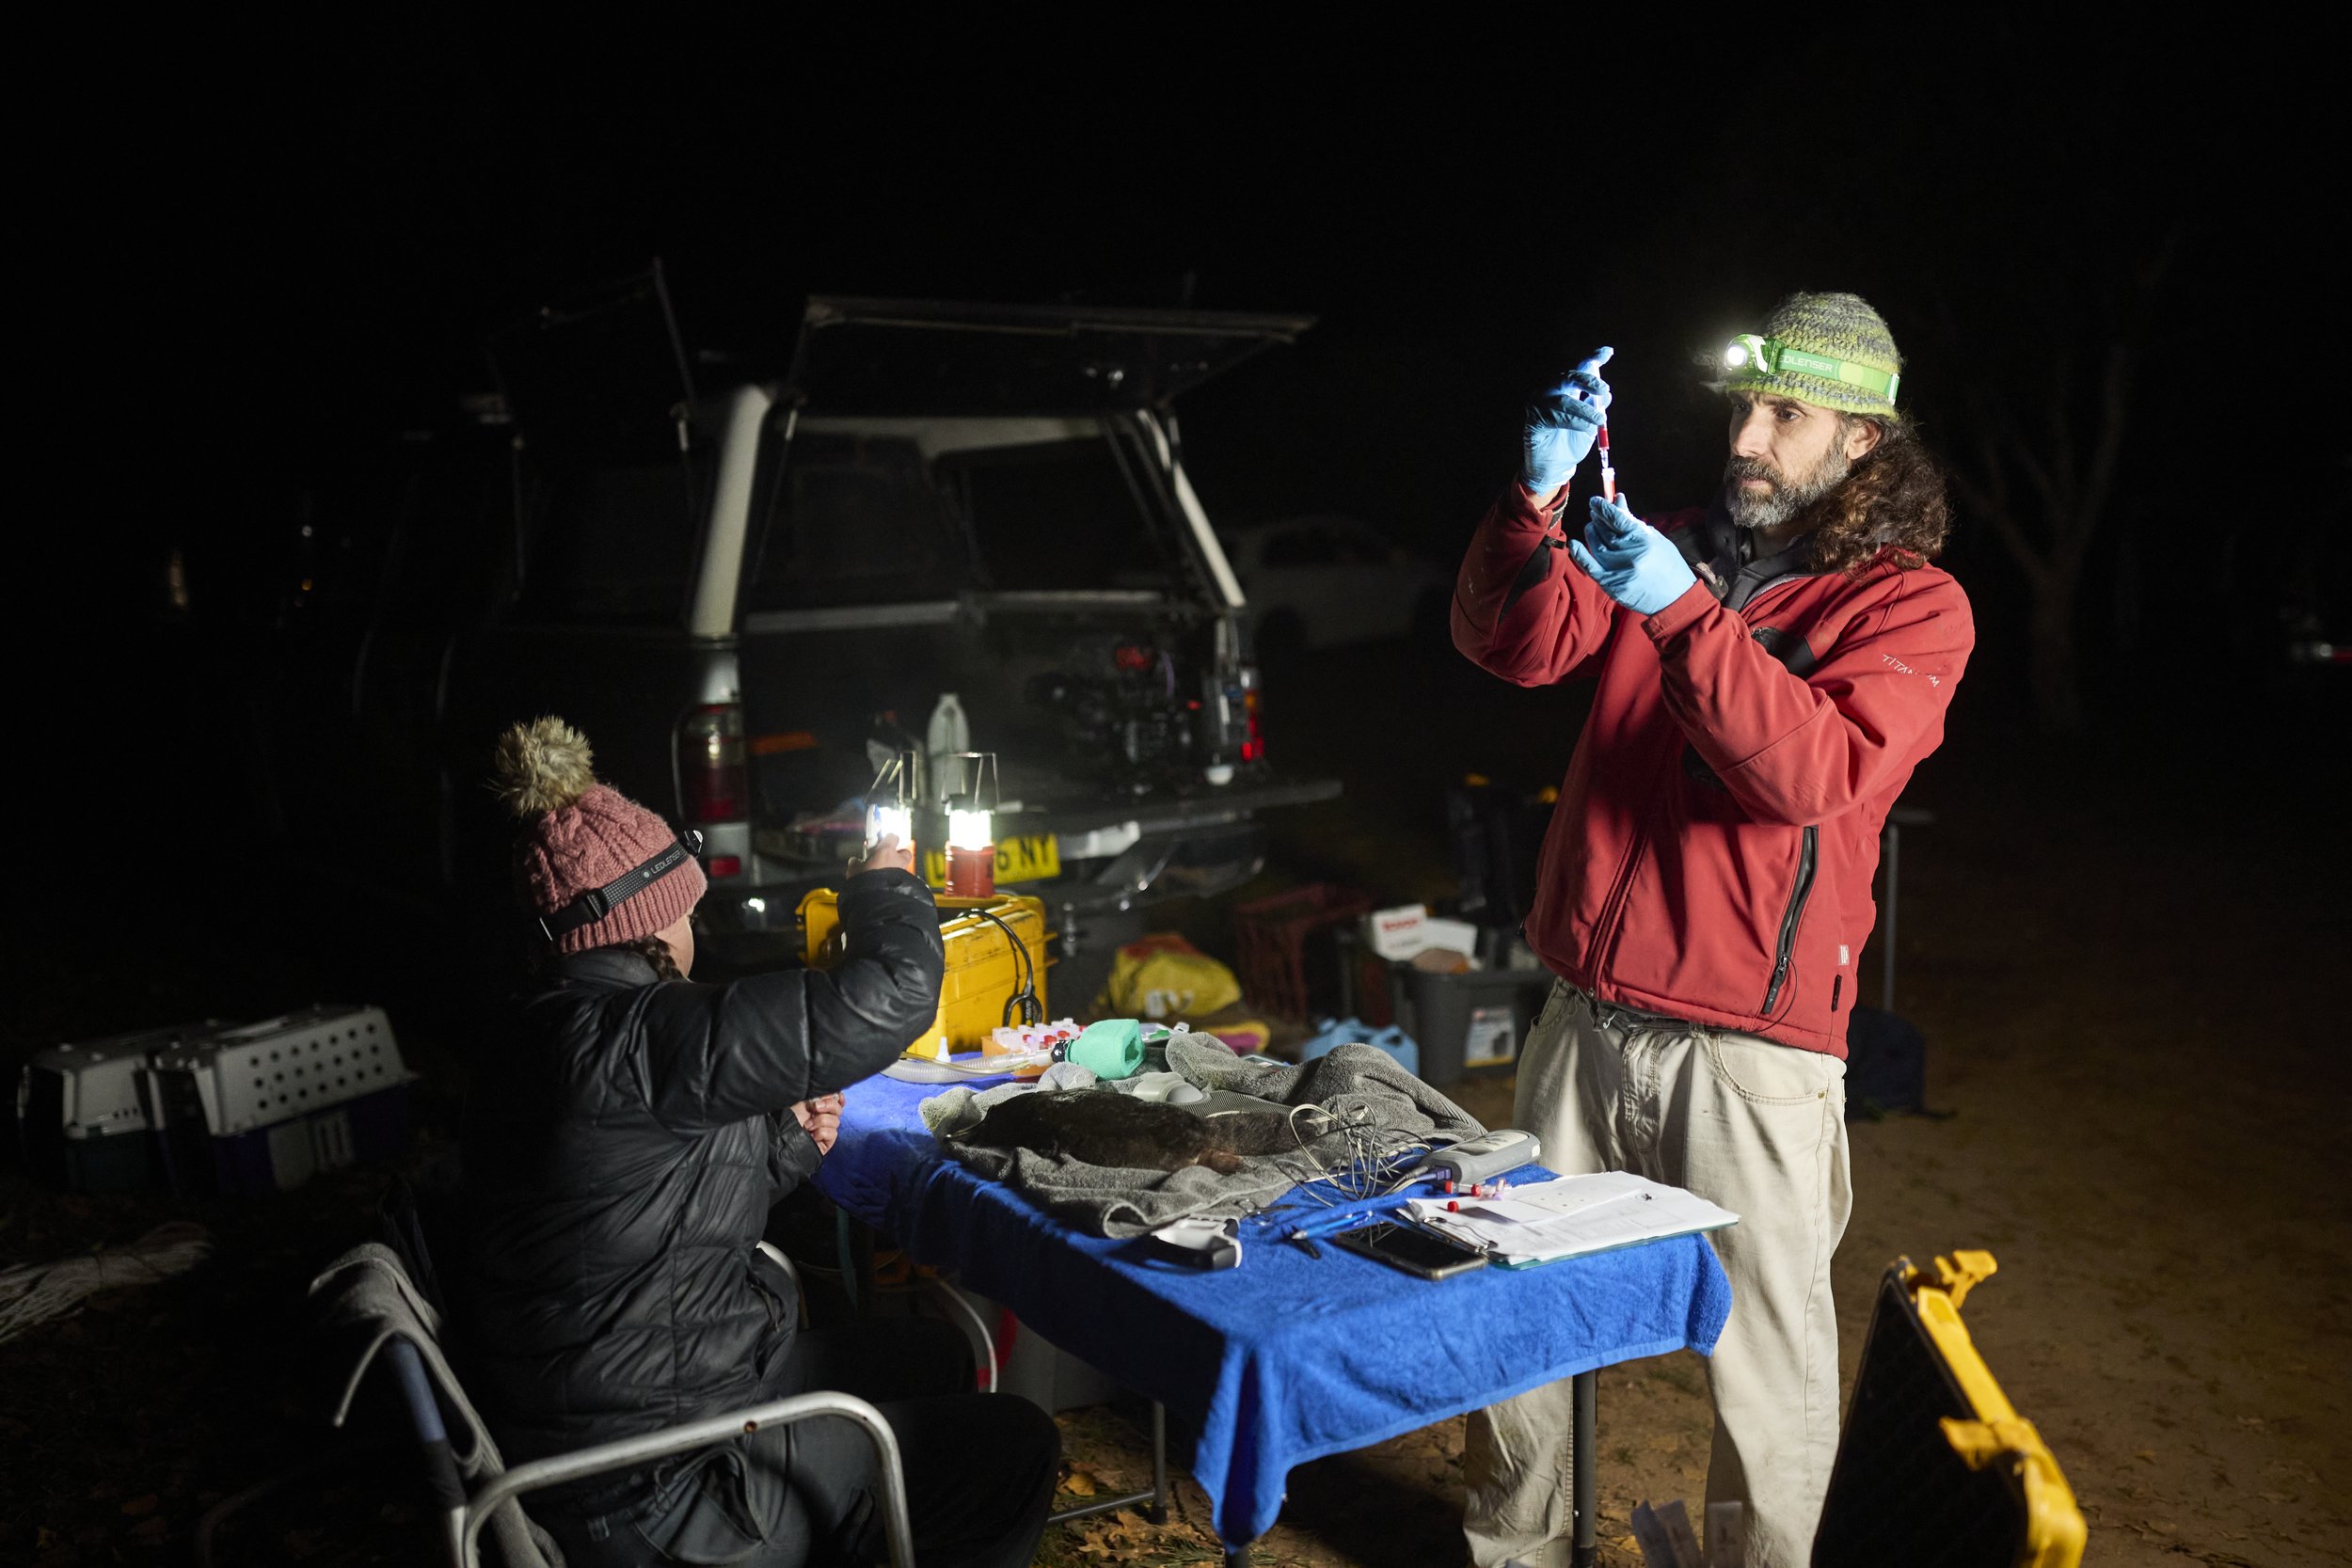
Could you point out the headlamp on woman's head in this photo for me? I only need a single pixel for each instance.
(597, 903)
(1750, 353)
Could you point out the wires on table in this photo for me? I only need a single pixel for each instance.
(1375, 1175)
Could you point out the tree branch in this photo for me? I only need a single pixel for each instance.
(2115, 383)
(1991, 500)
(2063, 474)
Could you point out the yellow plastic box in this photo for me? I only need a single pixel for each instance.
(987, 963)
(1934, 1466)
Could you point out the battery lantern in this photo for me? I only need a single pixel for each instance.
(972, 803)
(890, 800)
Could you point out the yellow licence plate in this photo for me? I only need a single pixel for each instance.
(1034, 858)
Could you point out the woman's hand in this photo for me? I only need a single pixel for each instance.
(887, 853)
(820, 1118)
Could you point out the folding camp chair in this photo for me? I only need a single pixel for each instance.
(375, 1299)
(462, 1517)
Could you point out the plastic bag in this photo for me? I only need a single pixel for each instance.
(1165, 977)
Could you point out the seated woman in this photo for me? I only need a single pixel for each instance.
(626, 1132)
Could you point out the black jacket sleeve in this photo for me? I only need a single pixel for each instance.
(715, 1055)
(792, 1154)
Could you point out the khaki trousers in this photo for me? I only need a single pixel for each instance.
(1757, 1128)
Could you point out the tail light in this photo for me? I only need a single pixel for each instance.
(709, 754)
(1253, 737)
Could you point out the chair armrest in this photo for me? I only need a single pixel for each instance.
(624, 1451)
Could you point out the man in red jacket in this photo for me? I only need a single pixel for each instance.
(1769, 669)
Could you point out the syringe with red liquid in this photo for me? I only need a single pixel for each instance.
(1608, 474)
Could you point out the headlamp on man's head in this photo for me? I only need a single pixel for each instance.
(1753, 354)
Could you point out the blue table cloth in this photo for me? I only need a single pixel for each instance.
(1287, 1358)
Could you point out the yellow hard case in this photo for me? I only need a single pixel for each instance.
(985, 968)
(1935, 1465)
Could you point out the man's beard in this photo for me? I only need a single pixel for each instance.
(1787, 498)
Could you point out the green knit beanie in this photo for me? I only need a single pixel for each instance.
(1829, 350)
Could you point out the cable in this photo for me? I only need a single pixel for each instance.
(1381, 1166)
(33, 1294)
(1025, 995)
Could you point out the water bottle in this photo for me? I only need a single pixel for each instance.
(948, 733)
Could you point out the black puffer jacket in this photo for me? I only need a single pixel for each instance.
(623, 1139)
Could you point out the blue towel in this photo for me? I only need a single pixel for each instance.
(1287, 1358)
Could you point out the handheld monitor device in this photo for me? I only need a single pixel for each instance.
(1489, 1154)
(1411, 1248)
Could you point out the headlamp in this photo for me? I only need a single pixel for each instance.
(597, 902)
(1759, 355)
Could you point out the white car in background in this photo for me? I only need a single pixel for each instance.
(1326, 581)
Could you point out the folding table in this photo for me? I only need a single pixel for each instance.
(1287, 1358)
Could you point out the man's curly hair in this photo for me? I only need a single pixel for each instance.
(1894, 502)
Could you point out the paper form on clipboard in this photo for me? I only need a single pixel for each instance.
(1571, 1216)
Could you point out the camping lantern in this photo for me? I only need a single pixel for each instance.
(890, 800)
(970, 826)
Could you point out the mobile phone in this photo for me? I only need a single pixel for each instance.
(1412, 1249)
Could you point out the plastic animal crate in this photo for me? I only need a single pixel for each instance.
(1271, 935)
(79, 1118)
(262, 1107)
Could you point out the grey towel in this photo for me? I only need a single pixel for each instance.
(1363, 1088)
(366, 1297)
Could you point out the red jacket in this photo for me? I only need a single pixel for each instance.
(1711, 854)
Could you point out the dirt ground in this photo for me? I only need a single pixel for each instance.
(2128, 974)
(2147, 1134)
(2127, 970)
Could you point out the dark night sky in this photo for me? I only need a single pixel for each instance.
(307, 232)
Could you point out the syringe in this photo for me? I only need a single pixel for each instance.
(1608, 474)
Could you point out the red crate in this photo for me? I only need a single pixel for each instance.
(1271, 937)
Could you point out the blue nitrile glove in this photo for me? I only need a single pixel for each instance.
(1561, 425)
(1633, 562)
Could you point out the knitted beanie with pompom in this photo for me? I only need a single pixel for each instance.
(579, 835)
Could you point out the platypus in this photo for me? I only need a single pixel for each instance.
(1101, 1127)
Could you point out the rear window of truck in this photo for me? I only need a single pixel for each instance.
(855, 520)
(1059, 517)
(865, 520)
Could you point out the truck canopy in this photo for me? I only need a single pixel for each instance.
(864, 355)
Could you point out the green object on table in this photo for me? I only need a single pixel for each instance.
(1110, 1049)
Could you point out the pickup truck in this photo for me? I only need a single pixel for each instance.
(747, 593)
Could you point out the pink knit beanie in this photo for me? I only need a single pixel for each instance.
(579, 835)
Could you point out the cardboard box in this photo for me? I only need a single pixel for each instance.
(1399, 933)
